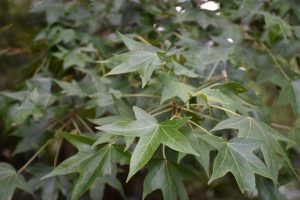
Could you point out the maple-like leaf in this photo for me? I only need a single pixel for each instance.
(141, 58)
(167, 177)
(237, 157)
(151, 134)
(175, 88)
(10, 180)
(271, 149)
(88, 162)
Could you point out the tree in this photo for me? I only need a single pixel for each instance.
(180, 94)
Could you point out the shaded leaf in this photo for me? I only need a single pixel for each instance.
(10, 180)
(165, 176)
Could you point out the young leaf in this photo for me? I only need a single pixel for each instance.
(151, 134)
(175, 88)
(133, 45)
(10, 180)
(143, 62)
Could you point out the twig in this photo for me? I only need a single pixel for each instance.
(164, 152)
(277, 64)
(281, 126)
(143, 40)
(164, 111)
(224, 109)
(141, 95)
(218, 107)
(34, 156)
(206, 131)
(75, 126)
(61, 139)
(84, 124)
(193, 112)
(212, 71)
(159, 108)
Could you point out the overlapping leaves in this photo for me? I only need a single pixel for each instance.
(88, 162)
(151, 134)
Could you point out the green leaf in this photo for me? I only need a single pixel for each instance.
(89, 163)
(10, 180)
(133, 45)
(273, 21)
(71, 89)
(237, 157)
(204, 144)
(33, 105)
(208, 55)
(96, 192)
(290, 94)
(143, 62)
(227, 99)
(271, 148)
(167, 177)
(267, 190)
(174, 88)
(151, 134)
(181, 70)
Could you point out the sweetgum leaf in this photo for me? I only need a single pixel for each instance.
(151, 134)
(10, 180)
(144, 62)
(271, 148)
(89, 163)
(167, 177)
(174, 88)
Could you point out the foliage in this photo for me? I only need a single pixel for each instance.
(191, 95)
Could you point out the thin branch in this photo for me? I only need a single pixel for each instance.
(61, 139)
(193, 112)
(75, 126)
(34, 156)
(141, 95)
(212, 71)
(143, 40)
(277, 64)
(159, 108)
(84, 123)
(206, 131)
(162, 112)
(224, 109)
(281, 126)
(164, 152)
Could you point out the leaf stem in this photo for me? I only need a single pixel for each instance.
(143, 40)
(84, 123)
(141, 95)
(76, 126)
(34, 156)
(225, 109)
(159, 108)
(218, 107)
(162, 112)
(206, 131)
(61, 139)
(277, 64)
(281, 126)
(193, 112)
(164, 152)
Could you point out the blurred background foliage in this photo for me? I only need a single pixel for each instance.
(60, 39)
